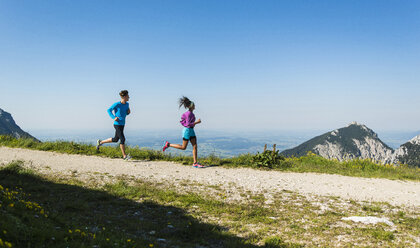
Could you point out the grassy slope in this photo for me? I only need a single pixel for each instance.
(51, 211)
(308, 163)
(41, 212)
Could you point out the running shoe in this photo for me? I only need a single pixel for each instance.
(98, 144)
(128, 157)
(197, 165)
(165, 146)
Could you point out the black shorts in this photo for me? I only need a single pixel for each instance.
(119, 134)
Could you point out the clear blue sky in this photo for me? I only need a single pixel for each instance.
(254, 65)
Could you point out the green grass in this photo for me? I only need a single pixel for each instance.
(117, 215)
(373, 209)
(52, 211)
(355, 167)
(308, 163)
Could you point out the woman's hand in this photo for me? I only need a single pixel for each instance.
(116, 119)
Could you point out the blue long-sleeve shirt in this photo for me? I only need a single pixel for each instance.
(119, 110)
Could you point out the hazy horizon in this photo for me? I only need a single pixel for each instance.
(220, 143)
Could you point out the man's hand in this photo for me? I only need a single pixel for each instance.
(128, 111)
(116, 119)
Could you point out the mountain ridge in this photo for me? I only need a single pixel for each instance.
(358, 141)
(8, 126)
(407, 153)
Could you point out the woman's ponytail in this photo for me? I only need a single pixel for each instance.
(184, 101)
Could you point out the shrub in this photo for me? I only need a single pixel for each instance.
(269, 159)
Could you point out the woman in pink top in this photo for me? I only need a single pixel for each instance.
(188, 134)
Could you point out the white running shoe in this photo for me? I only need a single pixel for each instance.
(128, 157)
(98, 144)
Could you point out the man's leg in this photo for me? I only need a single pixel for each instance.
(109, 140)
(122, 146)
(105, 141)
(122, 140)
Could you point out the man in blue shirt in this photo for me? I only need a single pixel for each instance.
(118, 112)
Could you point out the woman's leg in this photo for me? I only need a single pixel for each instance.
(181, 147)
(194, 144)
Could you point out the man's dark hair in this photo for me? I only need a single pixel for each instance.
(123, 93)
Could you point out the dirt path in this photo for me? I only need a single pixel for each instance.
(394, 192)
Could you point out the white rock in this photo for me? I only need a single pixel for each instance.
(330, 150)
(373, 149)
(369, 220)
(415, 140)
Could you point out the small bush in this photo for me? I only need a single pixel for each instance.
(269, 159)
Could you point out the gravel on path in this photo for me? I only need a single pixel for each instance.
(395, 192)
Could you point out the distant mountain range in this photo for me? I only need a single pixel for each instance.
(358, 141)
(354, 141)
(9, 127)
